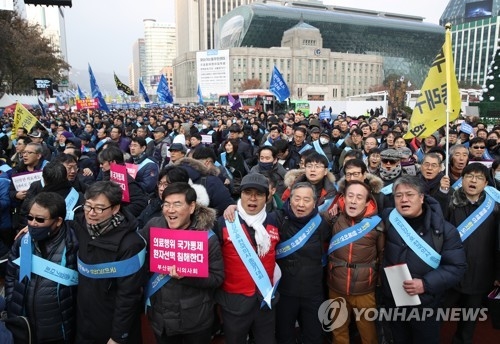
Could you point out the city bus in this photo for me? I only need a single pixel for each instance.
(300, 105)
(255, 100)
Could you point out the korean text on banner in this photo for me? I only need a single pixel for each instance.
(132, 169)
(23, 119)
(118, 174)
(430, 109)
(22, 181)
(187, 250)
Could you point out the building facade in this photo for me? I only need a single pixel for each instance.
(160, 49)
(138, 64)
(311, 71)
(474, 34)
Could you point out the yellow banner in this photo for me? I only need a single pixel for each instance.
(429, 113)
(22, 119)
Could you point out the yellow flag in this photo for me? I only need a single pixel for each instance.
(22, 119)
(438, 94)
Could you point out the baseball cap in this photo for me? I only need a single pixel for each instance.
(35, 133)
(255, 181)
(159, 129)
(178, 147)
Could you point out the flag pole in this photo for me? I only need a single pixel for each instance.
(448, 64)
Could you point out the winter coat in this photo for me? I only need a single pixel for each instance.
(5, 219)
(279, 172)
(325, 190)
(49, 306)
(186, 305)
(481, 247)
(219, 195)
(374, 182)
(147, 176)
(354, 269)
(302, 270)
(110, 307)
(152, 210)
(451, 268)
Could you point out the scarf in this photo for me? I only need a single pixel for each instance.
(139, 158)
(390, 175)
(262, 237)
(106, 225)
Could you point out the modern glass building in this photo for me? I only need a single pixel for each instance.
(475, 29)
(407, 44)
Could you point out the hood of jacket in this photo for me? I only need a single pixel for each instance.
(374, 182)
(459, 198)
(292, 175)
(196, 168)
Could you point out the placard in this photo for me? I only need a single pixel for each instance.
(186, 249)
(82, 104)
(22, 181)
(118, 174)
(132, 169)
(206, 139)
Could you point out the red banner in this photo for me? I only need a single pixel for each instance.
(82, 104)
(118, 174)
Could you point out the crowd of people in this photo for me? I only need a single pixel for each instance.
(298, 211)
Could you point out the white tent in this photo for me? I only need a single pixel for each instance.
(9, 99)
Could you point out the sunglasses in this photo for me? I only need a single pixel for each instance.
(390, 162)
(37, 219)
(478, 147)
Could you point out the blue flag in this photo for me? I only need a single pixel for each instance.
(96, 92)
(142, 91)
(163, 91)
(42, 108)
(278, 86)
(81, 95)
(200, 96)
(235, 104)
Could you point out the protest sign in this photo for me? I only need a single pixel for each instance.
(118, 174)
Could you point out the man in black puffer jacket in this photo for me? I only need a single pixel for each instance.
(431, 278)
(48, 302)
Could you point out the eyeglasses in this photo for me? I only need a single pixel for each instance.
(88, 208)
(72, 168)
(37, 219)
(175, 205)
(314, 167)
(352, 174)
(478, 147)
(26, 152)
(428, 164)
(162, 184)
(389, 162)
(472, 176)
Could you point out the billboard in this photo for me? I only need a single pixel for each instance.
(212, 72)
(42, 83)
(478, 9)
(49, 2)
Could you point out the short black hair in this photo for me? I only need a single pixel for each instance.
(111, 190)
(112, 153)
(174, 174)
(318, 158)
(180, 188)
(202, 153)
(54, 173)
(355, 163)
(51, 201)
(477, 168)
(273, 150)
(140, 140)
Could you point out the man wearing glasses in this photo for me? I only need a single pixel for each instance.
(475, 213)
(477, 148)
(390, 168)
(111, 268)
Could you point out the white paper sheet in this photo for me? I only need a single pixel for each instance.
(396, 275)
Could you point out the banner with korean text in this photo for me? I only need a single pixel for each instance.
(86, 103)
(118, 174)
(187, 250)
(430, 109)
(23, 119)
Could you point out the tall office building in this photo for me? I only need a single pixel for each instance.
(475, 31)
(138, 64)
(52, 22)
(160, 48)
(195, 20)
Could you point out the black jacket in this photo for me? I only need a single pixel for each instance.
(110, 308)
(187, 305)
(302, 271)
(481, 247)
(138, 197)
(49, 306)
(152, 210)
(451, 268)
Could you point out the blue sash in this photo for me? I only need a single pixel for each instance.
(420, 155)
(267, 143)
(387, 190)
(422, 249)
(457, 184)
(148, 140)
(2, 135)
(326, 204)
(117, 269)
(471, 223)
(251, 261)
(300, 238)
(306, 147)
(319, 149)
(144, 163)
(210, 132)
(224, 161)
(71, 200)
(44, 163)
(158, 280)
(339, 142)
(5, 168)
(42, 267)
(353, 233)
(494, 193)
(101, 143)
(487, 155)
(150, 128)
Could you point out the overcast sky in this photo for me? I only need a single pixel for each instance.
(102, 32)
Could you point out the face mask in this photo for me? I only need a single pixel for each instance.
(497, 175)
(62, 144)
(323, 140)
(39, 233)
(491, 142)
(265, 166)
